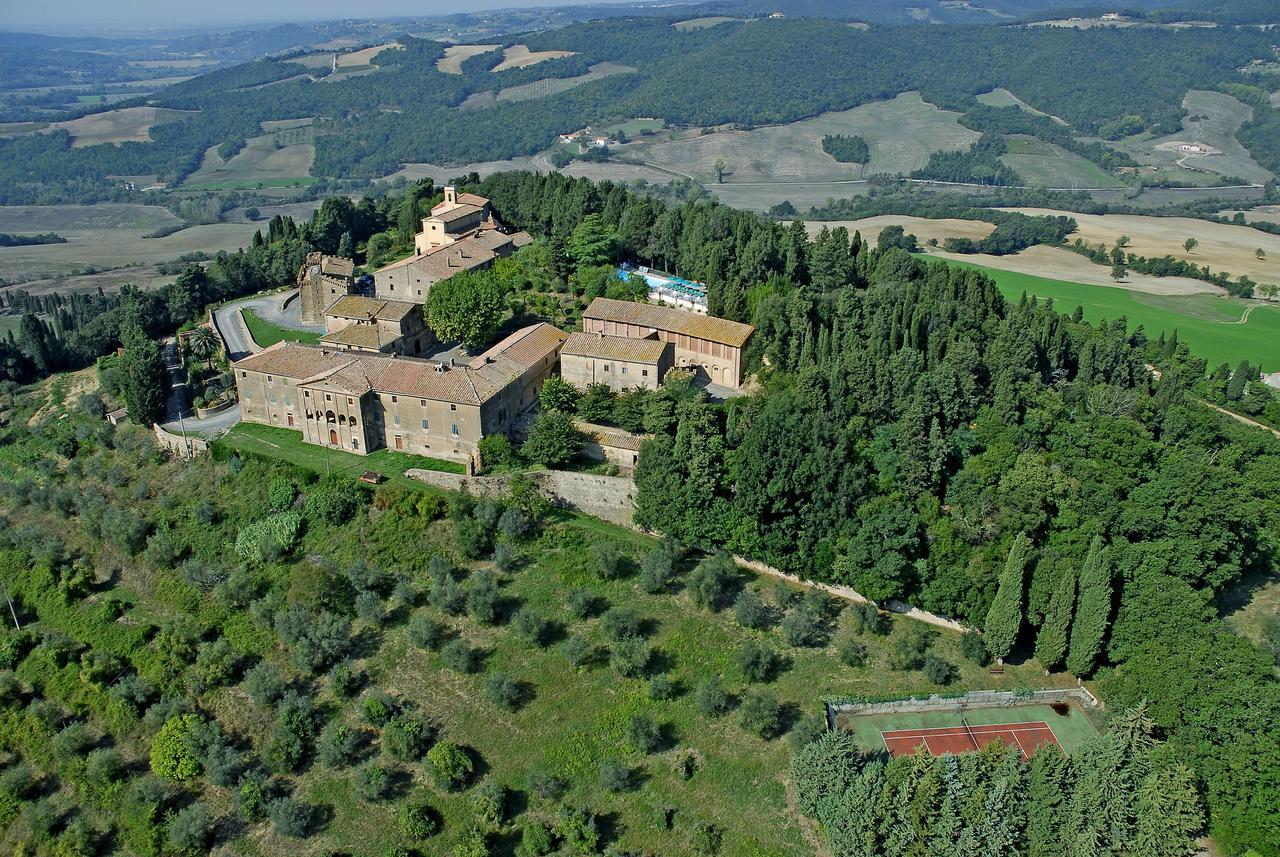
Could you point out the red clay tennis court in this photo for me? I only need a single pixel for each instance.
(965, 738)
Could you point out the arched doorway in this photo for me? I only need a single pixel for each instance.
(333, 437)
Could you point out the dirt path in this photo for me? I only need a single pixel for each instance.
(1240, 418)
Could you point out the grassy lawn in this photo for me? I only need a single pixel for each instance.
(575, 718)
(287, 445)
(1209, 325)
(266, 333)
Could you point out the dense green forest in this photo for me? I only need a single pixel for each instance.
(914, 424)
(742, 73)
(846, 149)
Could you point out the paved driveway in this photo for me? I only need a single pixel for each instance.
(266, 307)
(179, 418)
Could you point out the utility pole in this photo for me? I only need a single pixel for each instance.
(12, 611)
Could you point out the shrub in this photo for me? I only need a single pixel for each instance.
(264, 684)
(577, 827)
(809, 729)
(535, 840)
(614, 775)
(104, 770)
(583, 604)
(906, 650)
(191, 828)
(426, 632)
(761, 715)
(852, 653)
(622, 622)
(473, 842)
(750, 611)
(251, 801)
(333, 501)
(269, 537)
(378, 707)
(505, 557)
(758, 662)
(171, 757)
(531, 625)
(658, 566)
(707, 838)
(344, 680)
(630, 656)
(606, 560)
(711, 581)
(406, 737)
(483, 598)
(417, 819)
(974, 649)
(339, 745)
(939, 670)
(544, 784)
(281, 492)
(514, 524)
(866, 617)
(450, 765)
(370, 608)
(72, 742)
(458, 656)
(291, 817)
(503, 691)
(803, 627)
(488, 804)
(643, 733)
(577, 651)
(371, 782)
(448, 596)
(661, 687)
(711, 697)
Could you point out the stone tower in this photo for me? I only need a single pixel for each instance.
(321, 281)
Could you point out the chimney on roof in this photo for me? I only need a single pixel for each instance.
(440, 367)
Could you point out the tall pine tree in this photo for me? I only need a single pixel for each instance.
(1004, 619)
(1170, 816)
(1093, 611)
(1051, 642)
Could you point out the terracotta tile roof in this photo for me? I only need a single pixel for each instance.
(357, 335)
(706, 327)
(358, 372)
(465, 254)
(473, 199)
(527, 346)
(456, 213)
(337, 266)
(355, 306)
(607, 347)
(610, 436)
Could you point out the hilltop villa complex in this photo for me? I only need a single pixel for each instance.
(461, 234)
(360, 402)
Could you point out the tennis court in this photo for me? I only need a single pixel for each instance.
(961, 730)
(965, 738)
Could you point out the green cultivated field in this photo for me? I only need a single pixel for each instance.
(1072, 729)
(267, 334)
(1042, 163)
(1209, 325)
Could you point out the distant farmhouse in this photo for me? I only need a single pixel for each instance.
(460, 235)
(321, 281)
(376, 326)
(710, 345)
(360, 402)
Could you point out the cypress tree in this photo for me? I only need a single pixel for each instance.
(1051, 642)
(1093, 611)
(1004, 619)
(144, 383)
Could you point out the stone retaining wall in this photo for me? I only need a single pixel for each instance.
(205, 413)
(610, 498)
(972, 699)
(187, 448)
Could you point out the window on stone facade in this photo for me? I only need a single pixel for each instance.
(353, 422)
(624, 370)
(644, 373)
(422, 402)
(454, 429)
(244, 374)
(453, 407)
(394, 400)
(269, 379)
(395, 419)
(606, 367)
(349, 402)
(328, 398)
(426, 424)
(306, 394)
(272, 397)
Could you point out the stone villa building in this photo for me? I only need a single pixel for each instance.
(321, 281)
(620, 362)
(360, 402)
(376, 326)
(705, 344)
(461, 234)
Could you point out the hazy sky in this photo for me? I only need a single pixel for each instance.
(82, 16)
